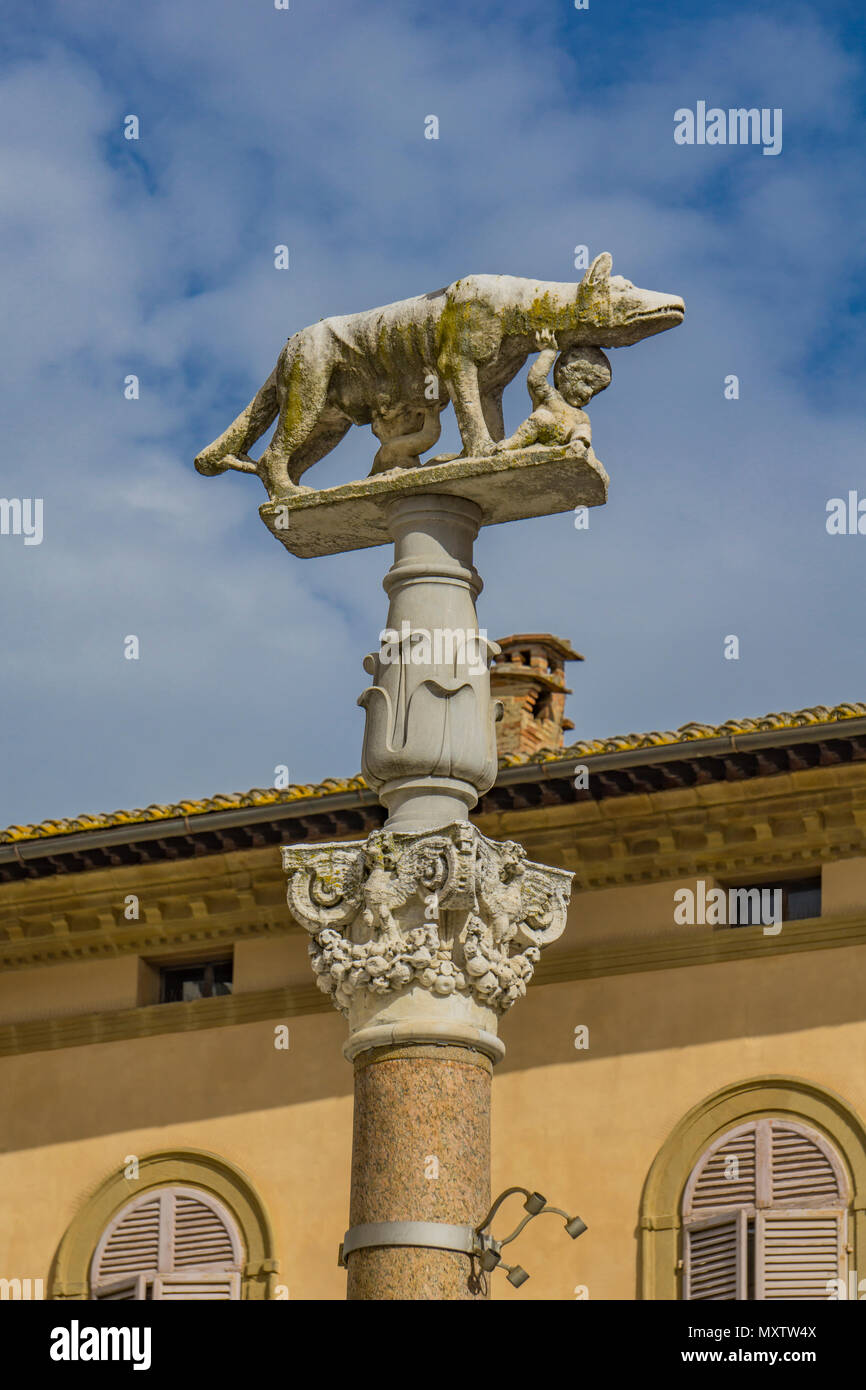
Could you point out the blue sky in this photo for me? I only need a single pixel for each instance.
(306, 127)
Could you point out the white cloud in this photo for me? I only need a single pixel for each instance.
(307, 127)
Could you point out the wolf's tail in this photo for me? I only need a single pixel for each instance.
(243, 432)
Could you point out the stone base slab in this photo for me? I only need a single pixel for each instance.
(537, 481)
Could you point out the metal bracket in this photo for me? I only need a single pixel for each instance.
(432, 1235)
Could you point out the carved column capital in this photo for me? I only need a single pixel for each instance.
(425, 935)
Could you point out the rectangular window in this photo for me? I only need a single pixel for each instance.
(750, 904)
(203, 980)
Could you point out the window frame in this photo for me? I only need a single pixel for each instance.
(786, 1097)
(197, 1168)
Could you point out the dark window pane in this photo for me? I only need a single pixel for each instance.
(218, 978)
(749, 905)
(803, 899)
(191, 982)
(755, 904)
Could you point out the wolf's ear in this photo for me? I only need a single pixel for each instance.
(599, 270)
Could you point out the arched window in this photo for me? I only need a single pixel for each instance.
(170, 1243)
(765, 1215)
(194, 1214)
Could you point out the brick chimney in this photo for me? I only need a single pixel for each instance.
(529, 678)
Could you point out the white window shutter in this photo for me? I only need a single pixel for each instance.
(201, 1236)
(727, 1174)
(797, 1253)
(124, 1290)
(197, 1286)
(131, 1245)
(802, 1171)
(175, 1243)
(785, 1181)
(715, 1258)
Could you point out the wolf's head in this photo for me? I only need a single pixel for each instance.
(612, 312)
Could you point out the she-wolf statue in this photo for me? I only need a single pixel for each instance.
(398, 366)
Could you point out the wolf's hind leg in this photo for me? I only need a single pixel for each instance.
(304, 400)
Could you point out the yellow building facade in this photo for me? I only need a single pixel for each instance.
(694, 1089)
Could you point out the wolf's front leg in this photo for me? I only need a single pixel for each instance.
(491, 405)
(461, 378)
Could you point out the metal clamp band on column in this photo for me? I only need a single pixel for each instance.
(434, 1235)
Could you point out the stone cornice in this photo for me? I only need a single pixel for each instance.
(689, 946)
(792, 822)
(182, 906)
(765, 826)
(141, 938)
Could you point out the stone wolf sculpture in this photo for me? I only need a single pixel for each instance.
(463, 344)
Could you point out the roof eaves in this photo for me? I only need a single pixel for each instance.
(690, 741)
